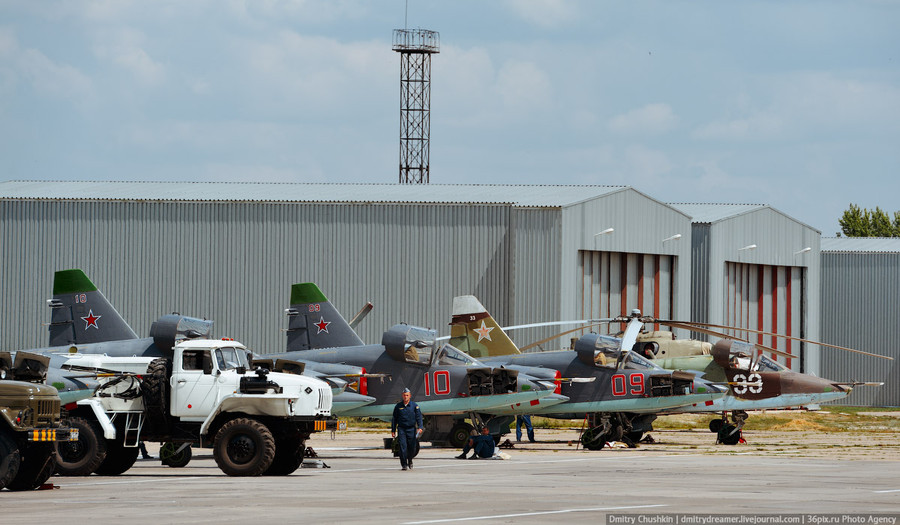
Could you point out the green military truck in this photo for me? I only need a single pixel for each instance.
(30, 422)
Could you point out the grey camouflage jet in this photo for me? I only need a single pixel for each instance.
(627, 392)
(444, 382)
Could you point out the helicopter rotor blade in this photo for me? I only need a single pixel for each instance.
(740, 329)
(556, 336)
(758, 346)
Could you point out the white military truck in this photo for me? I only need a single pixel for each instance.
(256, 422)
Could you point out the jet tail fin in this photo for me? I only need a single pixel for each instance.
(81, 314)
(475, 332)
(315, 323)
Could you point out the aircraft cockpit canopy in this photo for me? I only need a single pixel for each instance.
(449, 355)
(745, 356)
(767, 364)
(605, 351)
(410, 344)
(638, 362)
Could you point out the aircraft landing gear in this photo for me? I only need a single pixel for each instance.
(605, 427)
(729, 433)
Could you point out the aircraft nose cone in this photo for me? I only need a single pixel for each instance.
(842, 388)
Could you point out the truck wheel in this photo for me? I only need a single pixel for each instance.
(244, 447)
(460, 434)
(9, 459)
(36, 468)
(288, 457)
(171, 458)
(155, 391)
(119, 458)
(82, 457)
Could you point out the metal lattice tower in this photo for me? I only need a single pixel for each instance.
(415, 47)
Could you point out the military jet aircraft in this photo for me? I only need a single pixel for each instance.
(445, 382)
(756, 382)
(628, 388)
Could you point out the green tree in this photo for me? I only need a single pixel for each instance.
(860, 222)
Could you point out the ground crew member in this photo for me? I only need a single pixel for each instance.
(407, 421)
(482, 445)
(524, 420)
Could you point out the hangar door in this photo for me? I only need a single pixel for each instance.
(770, 299)
(614, 283)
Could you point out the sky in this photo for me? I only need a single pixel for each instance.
(792, 104)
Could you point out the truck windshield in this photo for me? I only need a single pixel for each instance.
(227, 358)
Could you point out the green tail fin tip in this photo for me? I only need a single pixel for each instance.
(307, 293)
(71, 281)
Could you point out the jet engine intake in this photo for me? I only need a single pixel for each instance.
(491, 381)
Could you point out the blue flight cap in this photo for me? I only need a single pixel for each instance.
(405, 391)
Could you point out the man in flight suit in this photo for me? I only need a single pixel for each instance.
(407, 420)
(483, 445)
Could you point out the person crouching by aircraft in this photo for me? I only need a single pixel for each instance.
(407, 421)
(483, 445)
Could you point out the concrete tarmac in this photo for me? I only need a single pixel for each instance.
(364, 484)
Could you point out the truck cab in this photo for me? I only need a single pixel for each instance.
(208, 373)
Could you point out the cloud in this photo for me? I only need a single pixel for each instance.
(756, 127)
(316, 74)
(652, 119)
(126, 49)
(806, 104)
(51, 78)
(523, 86)
(544, 13)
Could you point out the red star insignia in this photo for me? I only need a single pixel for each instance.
(484, 332)
(91, 320)
(322, 325)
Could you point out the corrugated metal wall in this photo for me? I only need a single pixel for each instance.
(647, 235)
(766, 298)
(860, 308)
(613, 284)
(764, 238)
(700, 283)
(536, 268)
(235, 262)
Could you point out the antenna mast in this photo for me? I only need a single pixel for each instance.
(415, 47)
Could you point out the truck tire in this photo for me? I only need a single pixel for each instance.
(288, 457)
(82, 457)
(244, 447)
(9, 459)
(155, 391)
(170, 458)
(460, 434)
(119, 458)
(36, 468)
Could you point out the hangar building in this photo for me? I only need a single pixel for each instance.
(230, 251)
(756, 267)
(860, 308)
